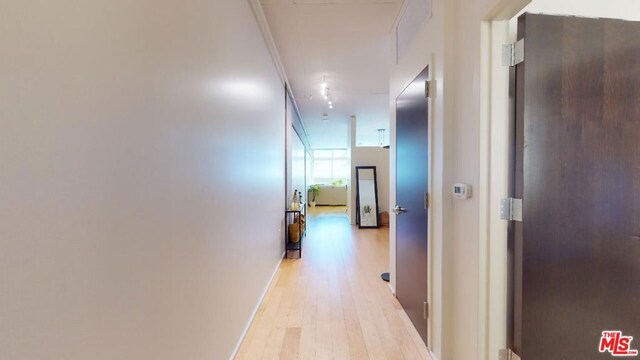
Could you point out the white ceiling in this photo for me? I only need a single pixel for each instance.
(349, 42)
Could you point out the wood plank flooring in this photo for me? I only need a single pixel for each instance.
(332, 304)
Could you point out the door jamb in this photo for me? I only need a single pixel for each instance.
(433, 92)
(494, 179)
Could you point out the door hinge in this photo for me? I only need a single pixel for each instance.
(425, 310)
(430, 89)
(513, 54)
(426, 200)
(507, 354)
(511, 209)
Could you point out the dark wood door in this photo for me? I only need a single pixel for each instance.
(412, 155)
(577, 250)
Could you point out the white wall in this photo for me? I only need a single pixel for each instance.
(133, 136)
(368, 156)
(614, 9)
(289, 135)
(295, 155)
(308, 173)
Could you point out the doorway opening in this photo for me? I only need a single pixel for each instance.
(329, 179)
(498, 127)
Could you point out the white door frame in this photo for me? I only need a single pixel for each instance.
(495, 125)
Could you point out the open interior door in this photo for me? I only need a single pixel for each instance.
(412, 183)
(577, 172)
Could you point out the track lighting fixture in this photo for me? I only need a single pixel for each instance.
(325, 92)
(381, 136)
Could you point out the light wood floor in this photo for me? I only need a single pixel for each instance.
(332, 304)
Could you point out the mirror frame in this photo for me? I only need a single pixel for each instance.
(375, 187)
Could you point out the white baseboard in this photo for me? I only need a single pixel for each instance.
(393, 291)
(255, 309)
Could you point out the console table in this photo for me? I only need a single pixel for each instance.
(289, 218)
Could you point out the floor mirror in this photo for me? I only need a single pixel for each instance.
(366, 197)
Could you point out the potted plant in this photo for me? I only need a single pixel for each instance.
(315, 191)
(367, 213)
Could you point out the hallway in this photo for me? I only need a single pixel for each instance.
(311, 312)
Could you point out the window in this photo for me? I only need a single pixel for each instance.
(330, 166)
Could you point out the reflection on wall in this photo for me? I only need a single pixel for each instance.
(309, 172)
(298, 168)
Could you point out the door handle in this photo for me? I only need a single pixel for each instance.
(399, 210)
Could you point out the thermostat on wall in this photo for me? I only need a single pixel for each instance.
(461, 191)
